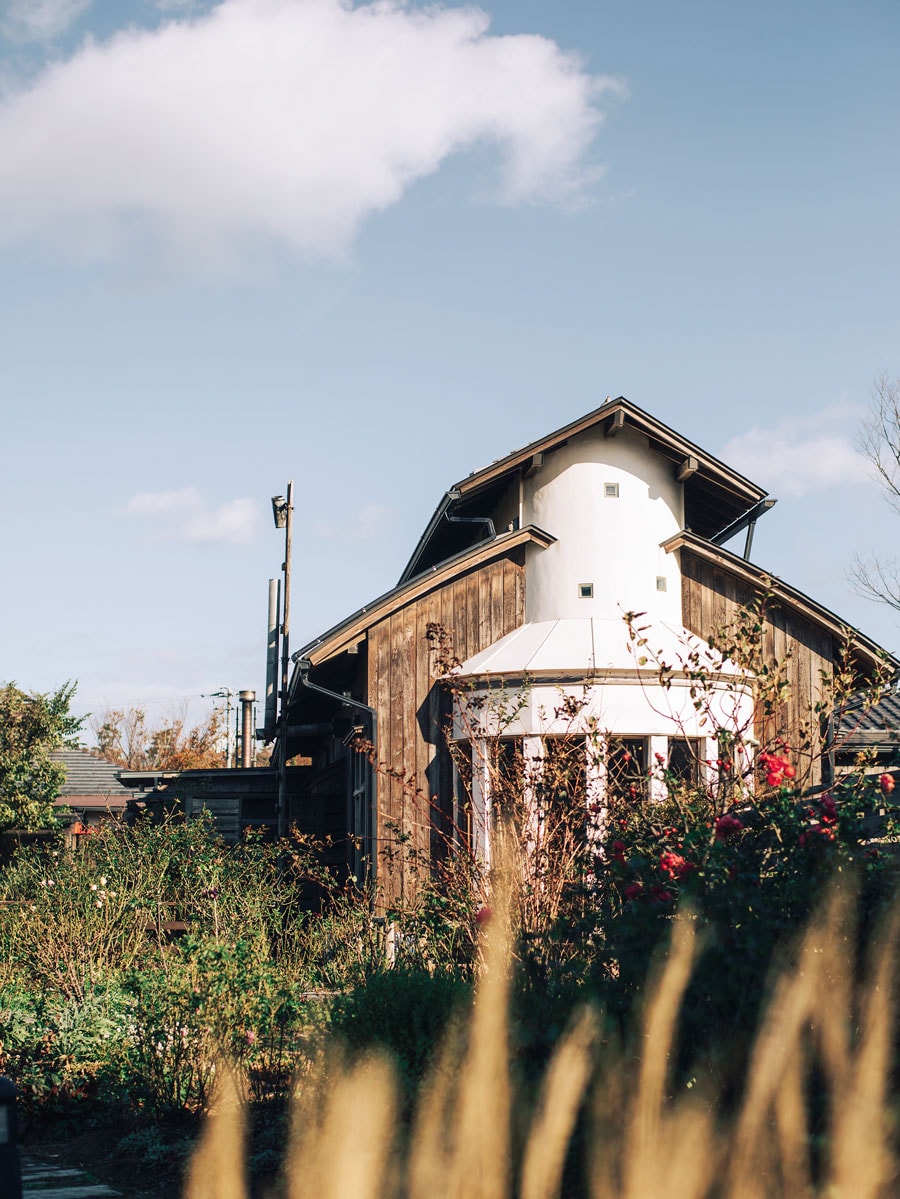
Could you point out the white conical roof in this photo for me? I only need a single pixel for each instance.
(589, 646)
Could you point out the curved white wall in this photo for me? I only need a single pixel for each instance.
(612, 543)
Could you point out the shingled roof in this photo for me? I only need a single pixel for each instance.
(91, 782)
(861, 727)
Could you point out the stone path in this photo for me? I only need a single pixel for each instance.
(40, 1181)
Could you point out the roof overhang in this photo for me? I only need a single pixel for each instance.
(866, 650)
(351, 631)
(710, 484)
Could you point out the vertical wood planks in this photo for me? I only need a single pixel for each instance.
(476, 609)
(711, 597)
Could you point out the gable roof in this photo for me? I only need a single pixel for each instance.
(716, 496)
(352, 629)
(867, 650)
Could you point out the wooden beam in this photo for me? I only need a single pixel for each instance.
(615, 424)
(688, 467)
(537, 461)
(354, 629)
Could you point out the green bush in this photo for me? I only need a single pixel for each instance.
(62, 1051)
(74, 919)
(404, 1012)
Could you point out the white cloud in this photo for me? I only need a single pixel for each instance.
(367, 524)
(802, 454)
(283, 121)
(186, 515)
(39, 20)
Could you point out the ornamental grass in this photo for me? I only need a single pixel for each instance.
(611, 1118)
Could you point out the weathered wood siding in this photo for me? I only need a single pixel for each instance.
(711, 597)
(415, 775)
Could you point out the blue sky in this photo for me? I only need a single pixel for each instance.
(371, 248)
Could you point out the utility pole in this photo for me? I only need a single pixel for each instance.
(282, 511)
(227, 694)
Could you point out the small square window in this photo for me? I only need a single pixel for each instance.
(661, 583)
(611, 491)
(585, 590)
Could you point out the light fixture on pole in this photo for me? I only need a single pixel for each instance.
(282, 512)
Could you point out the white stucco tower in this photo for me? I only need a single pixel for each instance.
(610, 503)
(610, 491)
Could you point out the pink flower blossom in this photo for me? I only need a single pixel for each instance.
(726, 826)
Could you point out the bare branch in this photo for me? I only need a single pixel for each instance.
(877, 580)
(879, 437)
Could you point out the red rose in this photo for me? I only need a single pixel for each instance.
(886, 783)
(633, 890)
(674, 865)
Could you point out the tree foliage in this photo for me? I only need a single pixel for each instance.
(123, 736)
(32, 725)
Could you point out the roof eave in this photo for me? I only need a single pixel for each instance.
(712, 467)
(638, 419)
(864, 646)
(352, 629)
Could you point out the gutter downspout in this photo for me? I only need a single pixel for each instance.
(474, 520)
(303, 668)
(442, 512)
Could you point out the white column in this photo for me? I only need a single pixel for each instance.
(595, 776)
(481, 802)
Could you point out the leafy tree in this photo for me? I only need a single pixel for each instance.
(32, 725)
(123, 737)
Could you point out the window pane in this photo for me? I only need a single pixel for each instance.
(684, 760)
(626, 768)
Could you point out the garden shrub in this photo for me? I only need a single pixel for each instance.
(404, 1012)
(62, 1052)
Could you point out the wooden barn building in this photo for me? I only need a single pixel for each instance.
(529, 565)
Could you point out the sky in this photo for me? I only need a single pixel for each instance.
(371, 247)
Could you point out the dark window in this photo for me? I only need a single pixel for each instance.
(564, 772)
(462, 793)
(684, 760)
(507, 773)
(626, 768)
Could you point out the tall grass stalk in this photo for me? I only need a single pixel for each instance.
(813, 1121)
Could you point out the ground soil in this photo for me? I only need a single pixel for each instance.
(96, 1151)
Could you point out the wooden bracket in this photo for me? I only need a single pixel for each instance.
(615, 424)
(688, 467)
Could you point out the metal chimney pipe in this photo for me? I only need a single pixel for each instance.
(247, 698)
(270, 718)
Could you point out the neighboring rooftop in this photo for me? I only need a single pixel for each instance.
(91, 781)
(861, 726)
